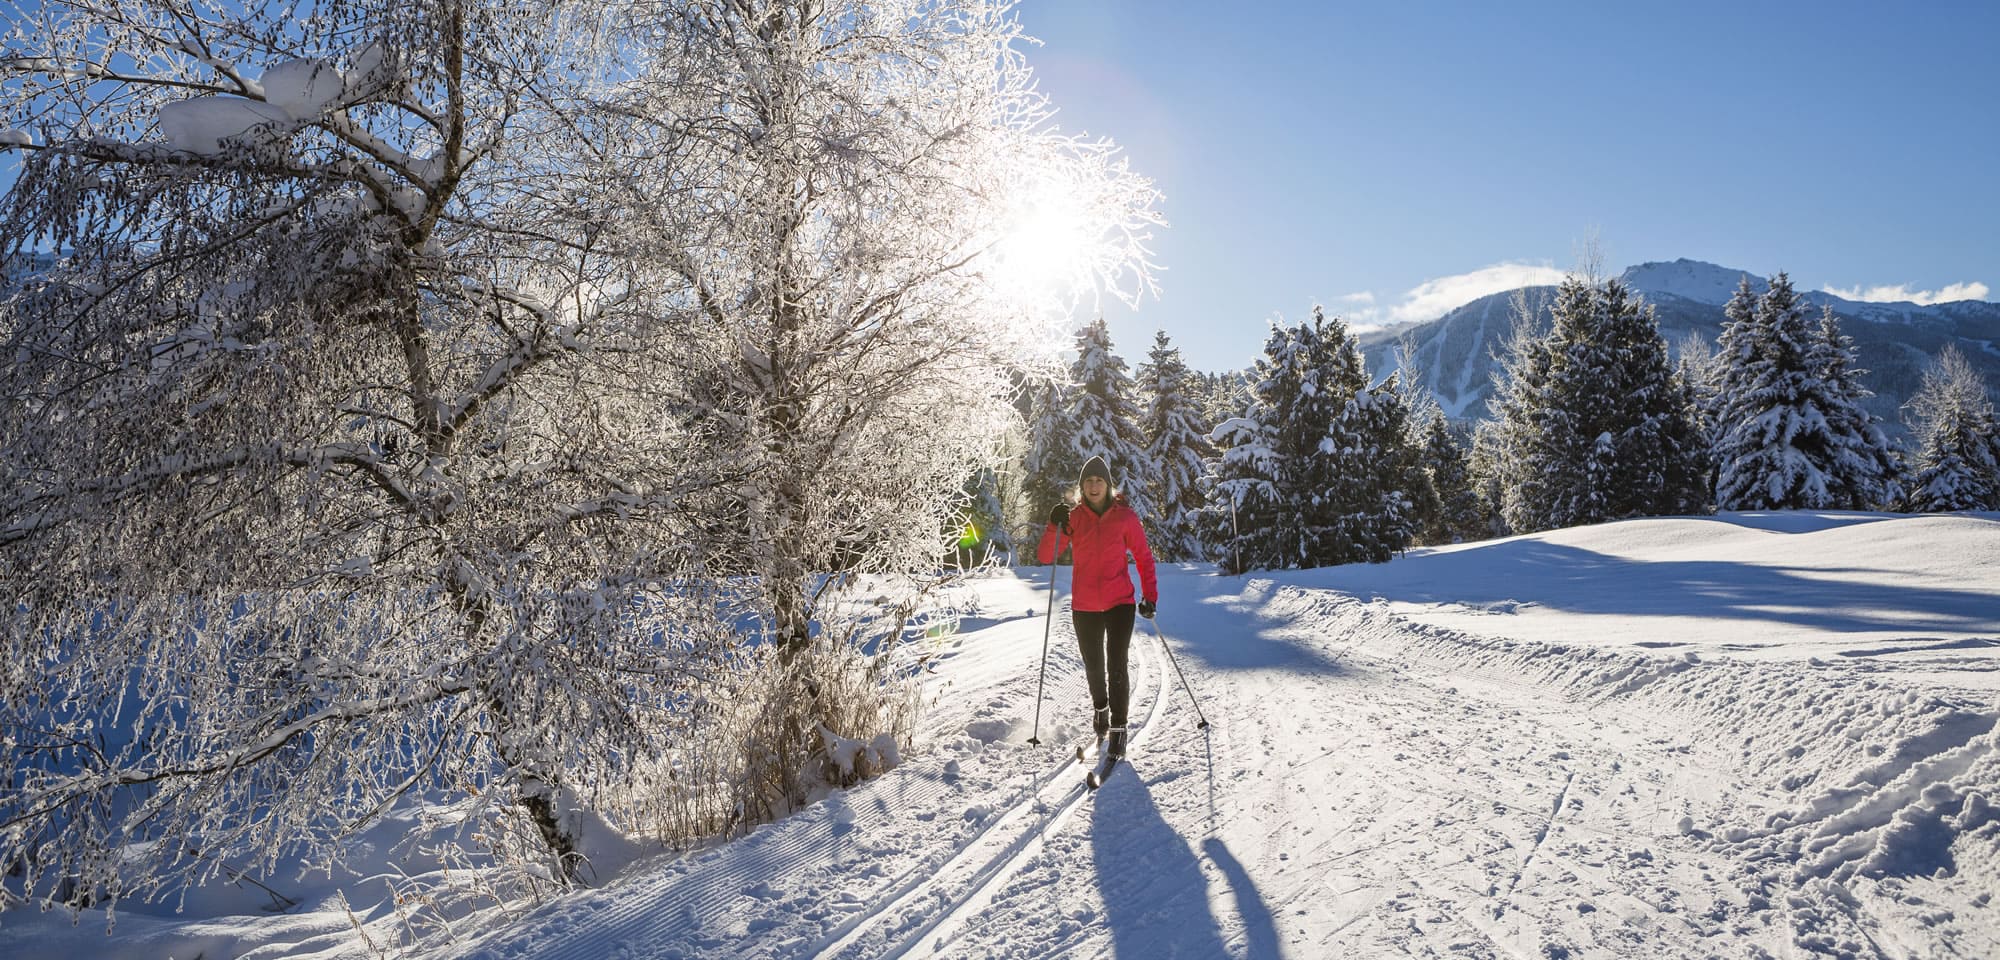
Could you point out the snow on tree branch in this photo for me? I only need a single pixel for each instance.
(430, 398)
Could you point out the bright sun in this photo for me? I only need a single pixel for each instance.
(1046, 244)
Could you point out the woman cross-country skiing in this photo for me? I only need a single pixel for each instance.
(1100, 533)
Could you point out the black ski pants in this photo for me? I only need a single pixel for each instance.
(1105, 640)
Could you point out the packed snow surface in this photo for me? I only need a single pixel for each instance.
(1790, 586)
(1742, 736)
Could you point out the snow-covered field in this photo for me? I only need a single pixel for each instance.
(1740, 736)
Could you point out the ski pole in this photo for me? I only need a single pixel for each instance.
(1035, 739)
(1203, 725)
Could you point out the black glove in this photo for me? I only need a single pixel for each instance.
(1059, 515)
(1146, 609)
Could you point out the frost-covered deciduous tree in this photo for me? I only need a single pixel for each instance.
(1789, 434)
(831, 198)
(333, 436)
(983, 530)
(1177, 445)
(1958, 440)
(417, 381)
(866, 224)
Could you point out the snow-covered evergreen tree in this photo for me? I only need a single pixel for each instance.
(1246, 522)
(1958, 440)
(1699, 368)
(1875, 480)
(1105, 419)
(1094, 413)
(1559, 452)
(1453, 512)
(1739, 323)
(1370, 450)
(1221, 396)
(1501, 446)
(1659, 458)
(1051, 463)
(1177, 446)
(1426, 506)
(1320, 469)
(1790, 436)
(1592, 423)
(1319, 436)
(1239, 520)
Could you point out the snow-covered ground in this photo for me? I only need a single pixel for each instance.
(1741, 736)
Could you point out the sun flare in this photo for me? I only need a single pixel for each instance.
(1045, 246)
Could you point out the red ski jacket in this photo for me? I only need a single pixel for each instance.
(1098, 547)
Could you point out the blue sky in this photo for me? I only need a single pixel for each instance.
(1388, 159)
(1391, 160)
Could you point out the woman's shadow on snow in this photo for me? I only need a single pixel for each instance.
(1155, 896)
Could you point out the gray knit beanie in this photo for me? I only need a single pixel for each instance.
(1094, 467)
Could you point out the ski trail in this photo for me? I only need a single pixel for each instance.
(1542, 835)
(989, 868)
(949, 925)
(694, 899)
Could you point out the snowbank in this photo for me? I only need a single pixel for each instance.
(1744, 736)
(1915, 590)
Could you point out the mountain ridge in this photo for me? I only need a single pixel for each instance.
(1455, 354)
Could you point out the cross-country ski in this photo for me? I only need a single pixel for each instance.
(1096, 777)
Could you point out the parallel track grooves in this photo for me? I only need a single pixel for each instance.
(996, 870)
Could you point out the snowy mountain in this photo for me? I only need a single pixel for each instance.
(1454, 353)
(1672, 737)
(19, 268)
(1684, 278)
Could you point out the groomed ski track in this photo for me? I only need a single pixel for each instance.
(699, 899)
(1377, 786)
(1055, 799)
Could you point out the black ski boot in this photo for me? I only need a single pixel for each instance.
(1100, 723)
(1114, 753)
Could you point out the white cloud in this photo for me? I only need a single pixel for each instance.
(1364, 321)
(1972, 290)
(1435, 298)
